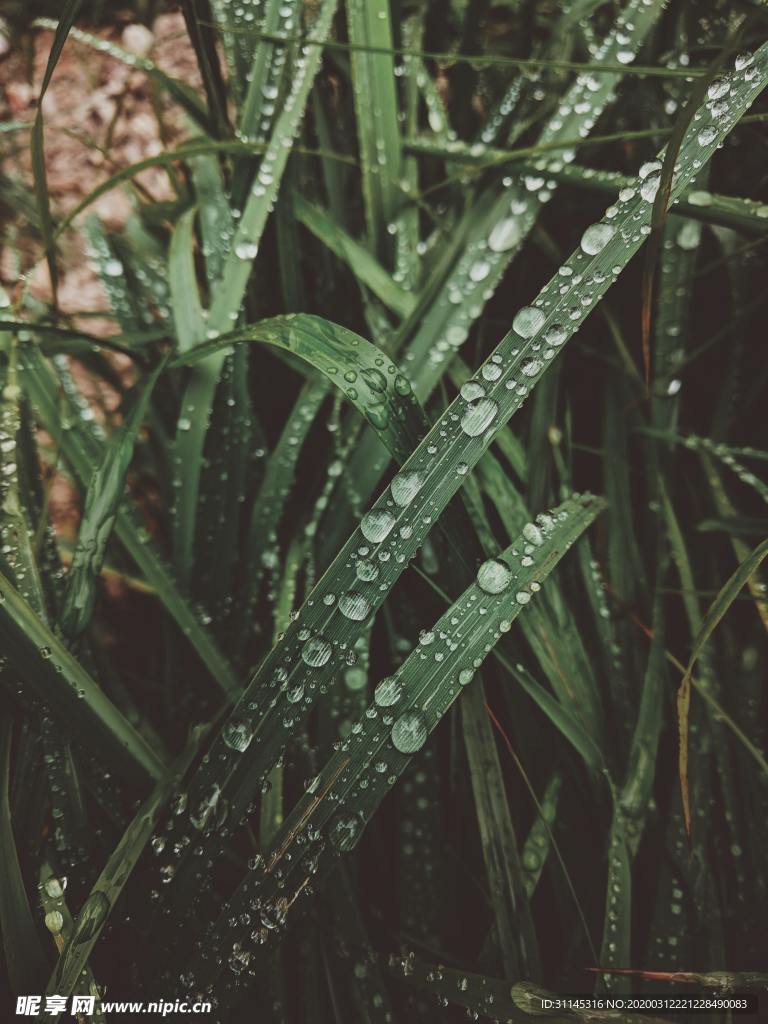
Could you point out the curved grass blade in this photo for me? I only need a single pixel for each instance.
(102, 500)
(81, 450)
(47, 666)
(37, 140)
(367, 377)
(184, 95)
(24, 957)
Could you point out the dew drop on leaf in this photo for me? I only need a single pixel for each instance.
(528, 321)
(409, 733)
(376, 525)
(596, 237)
(354, 606)
(494, 576)
(479, 416)
(316, 651)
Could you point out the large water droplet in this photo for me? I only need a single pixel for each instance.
(388, 692)
(409, 733)
(596, 237)
(479, 416)
(237, 734)
(405, 487)
(494, 576)
(377, 524)
(528, 321)
(354, 606)
(505, 235)
(316, 651)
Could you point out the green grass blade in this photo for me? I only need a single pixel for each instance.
(24, 957)
(188, 317)
(539, 839)
(725, 598)
(82, 452)
(516, 935)
(363, 265)
(183, 93)
(37, 139)
(373, 84)
(434, 472)
(62, 681)
(102, 500)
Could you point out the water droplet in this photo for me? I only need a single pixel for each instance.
(472, 390)
(246, 250)
(388, 692)
(533, 534)
(405, 487)
(528, 321)
(354, 606)
(376, 525)
(555, 334)
(54, 921)
(316, 651)
(505, 235)
(596, 237)
(494, 576)
(409, 733)
(479, 271)
(237, 735)
(479, 416)
(707, 135)
(531, 367)
(345, 830)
